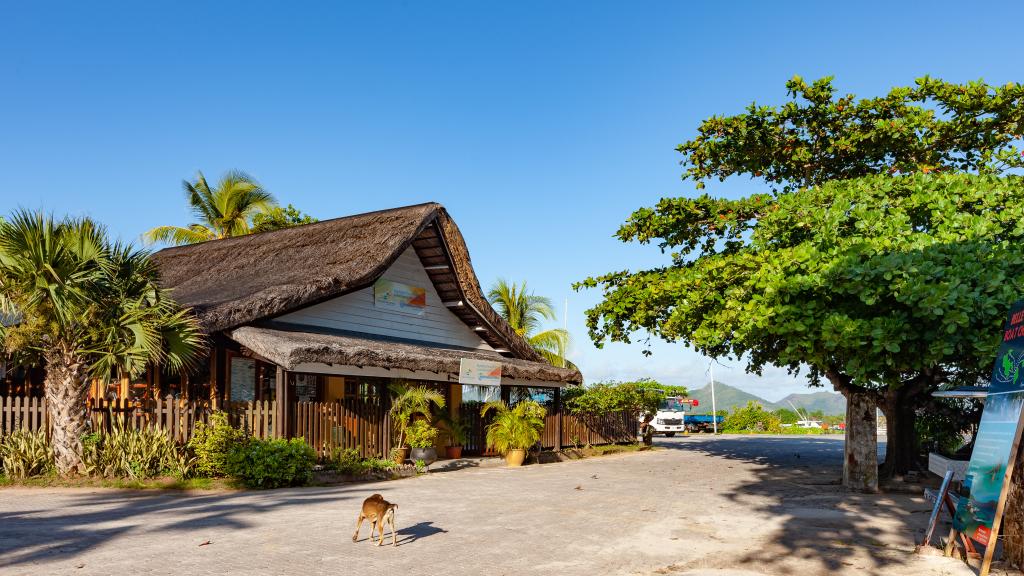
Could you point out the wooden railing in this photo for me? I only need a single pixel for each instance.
(614, 428)
(342, 424)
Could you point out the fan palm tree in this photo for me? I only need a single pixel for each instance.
(525, 312)
(86, 308)
(225, 211)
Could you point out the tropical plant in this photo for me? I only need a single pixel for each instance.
(278, 218)
(348, 461)
(222, 212)
(408, 401)
(86, 307)
(272, 463)
(24, 454)
(515, 428)
(751, 418)
(456, 428)
(642, 396)
(525, 312)
(421, 434)
(213, 443)
(135, 453)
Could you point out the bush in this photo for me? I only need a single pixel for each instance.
(348, 462)
(752, 417)
(136, 454)
(421, 434)
(640, 397)
(272, 463)
(213, 443)
(515, 428)
(24, 454)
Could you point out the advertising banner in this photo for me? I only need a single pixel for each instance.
(400, 297)
(479, 372)
(988, 475)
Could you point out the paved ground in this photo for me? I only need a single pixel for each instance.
(726, 506)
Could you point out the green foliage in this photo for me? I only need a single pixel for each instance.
(221, 212)
(272, 463)
(24, 454)
(136, 454)
(638, 397)
(455, 428)
(409, 401)
(752, 417)
(786, 416)
(277, 218)
(421, 434)
(819, 135)
(526, 312)
(213, 443)
(515, 428)
(348, 462)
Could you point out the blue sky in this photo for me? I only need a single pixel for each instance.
(540, 126)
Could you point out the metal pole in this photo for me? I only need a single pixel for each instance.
(714, 406)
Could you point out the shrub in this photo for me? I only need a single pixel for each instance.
(213, 442)
(348, 462)
(637, 398)
(421, 434)
(752, 417)
(24, 454)
(134, 453)
(516, 428)
(272, 463)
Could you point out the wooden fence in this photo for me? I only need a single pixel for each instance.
(342, 424)
(615, 428)
(174, 416)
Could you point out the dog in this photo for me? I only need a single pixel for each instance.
(379, 512)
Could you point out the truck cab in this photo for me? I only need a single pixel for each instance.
(670, 417)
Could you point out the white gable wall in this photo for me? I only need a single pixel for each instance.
(355, 312)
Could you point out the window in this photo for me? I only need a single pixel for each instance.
(243, 379)
(481, 394)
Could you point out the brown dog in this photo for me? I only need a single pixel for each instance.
(379, 512)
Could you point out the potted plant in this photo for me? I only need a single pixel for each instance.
(457, 429)
(514, 430)
(407, 402)
(421, 436)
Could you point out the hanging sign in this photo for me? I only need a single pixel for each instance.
(995, 449)
(399, 297)
(479, 372)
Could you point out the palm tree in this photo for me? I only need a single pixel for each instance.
(86, 308)
(513, 428)
(409, 401)
(225, 211)
(525, 312)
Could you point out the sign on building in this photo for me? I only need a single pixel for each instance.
(399, 297)
(479, 372)
(988, 475)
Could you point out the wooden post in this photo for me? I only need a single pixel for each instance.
(281, 428)
(558, 419)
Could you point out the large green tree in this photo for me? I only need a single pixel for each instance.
(743, 270)
(221, 212)
(85, 307)
(526, 312)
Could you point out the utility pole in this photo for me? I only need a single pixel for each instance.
(714, 407)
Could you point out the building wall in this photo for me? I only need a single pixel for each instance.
(356, 312)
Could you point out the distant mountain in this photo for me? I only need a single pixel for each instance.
(727, 397)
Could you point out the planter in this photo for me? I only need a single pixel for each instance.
(400, 454)
(453, 452)
(428, 455)
(515, 457)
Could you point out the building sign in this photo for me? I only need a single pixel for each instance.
(479, 372)
(399, 297)
(988, 475)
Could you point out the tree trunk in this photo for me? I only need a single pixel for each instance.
(860, 465)
(65, 390)
(900, 411)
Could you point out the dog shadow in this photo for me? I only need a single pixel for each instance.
(410, 534)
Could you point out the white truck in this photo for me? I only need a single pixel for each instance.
(670, 417)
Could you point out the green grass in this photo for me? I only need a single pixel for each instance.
(163, 483)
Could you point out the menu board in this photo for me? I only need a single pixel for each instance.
(995, 449)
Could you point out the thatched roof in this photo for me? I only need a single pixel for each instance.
(238, 281)
(289, 349)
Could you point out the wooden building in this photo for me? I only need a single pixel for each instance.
(340, 309)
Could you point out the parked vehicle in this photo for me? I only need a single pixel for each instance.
(671, 416)
(703, 422)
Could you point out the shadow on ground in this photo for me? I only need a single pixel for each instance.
(797, 480)
(30, 536)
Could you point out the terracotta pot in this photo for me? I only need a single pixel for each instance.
(453, 452)
(515, 458)
(401, 455)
